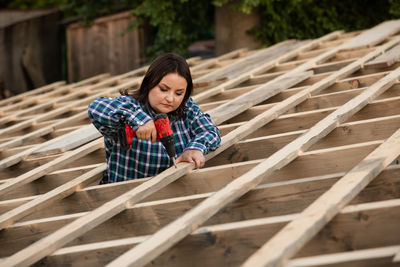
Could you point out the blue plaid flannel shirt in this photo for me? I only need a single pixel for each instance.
(146, 159)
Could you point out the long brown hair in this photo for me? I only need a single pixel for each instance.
(161, 66)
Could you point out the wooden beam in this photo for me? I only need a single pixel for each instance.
(385, 60)
(5, 103)
(396, 257)
(25, 124)
(248, 63)
(346, 134)
(302, 120)
(61, 144)
(71, 141)
(229, 244)
(266, 200)
(213, 61)
(58, 111)
(51, 166)
(49, 100)
(339, 160)
(373, 36)
(332, 66)
(293, 236)
(46, 199)
(268, 65)
(380, 256)
(256, 96)
(174, 232)
(46, 183)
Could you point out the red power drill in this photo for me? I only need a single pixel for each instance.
(164, 135)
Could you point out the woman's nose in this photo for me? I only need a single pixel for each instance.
(169, 97)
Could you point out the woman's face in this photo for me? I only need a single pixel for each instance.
(168, 94)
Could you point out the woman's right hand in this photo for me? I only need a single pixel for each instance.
(147, 131)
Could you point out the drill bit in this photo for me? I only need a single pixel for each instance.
(174, 161)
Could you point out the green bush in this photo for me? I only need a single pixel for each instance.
(177, 23)
(306, 19)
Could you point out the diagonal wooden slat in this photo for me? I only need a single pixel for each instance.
(51, 166)
(12, 100)
(248, 63)
(385, 60)
(294, 235)
(374, 36)
(345, 257)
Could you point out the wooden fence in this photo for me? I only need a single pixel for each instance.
(104, 47)
(30, 54)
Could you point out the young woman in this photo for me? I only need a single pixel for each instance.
(166, 88)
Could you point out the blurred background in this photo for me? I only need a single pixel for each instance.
(45, 41)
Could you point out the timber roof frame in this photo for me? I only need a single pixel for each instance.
(307, 173)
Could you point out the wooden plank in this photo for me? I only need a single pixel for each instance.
(62, 88)
(361, 257)
(169, 235)
(340, 159)
(248, 63)
(256, 96)
(61, 144)
(52, 98)
(268, 65)
(385, 60)
(345, 134)
(106, 83)
(396, 257)
(213, 61)
(51, 166)
(373, 36)
(266, 200)
(19, 97)
(228, 244)
(52, 114)
(72, 141)
(45, 200)
(299, 231)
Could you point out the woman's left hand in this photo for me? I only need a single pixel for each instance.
(192, 155)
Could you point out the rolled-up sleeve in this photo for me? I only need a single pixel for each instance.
(109, 114)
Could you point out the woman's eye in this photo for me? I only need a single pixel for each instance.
(163, 89)
(179, 94)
